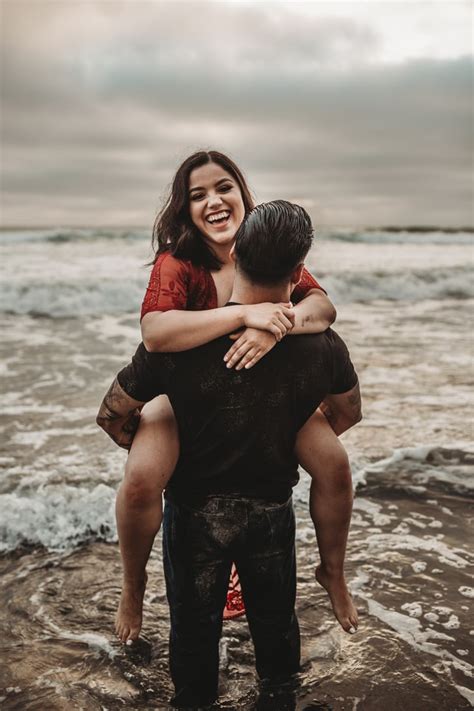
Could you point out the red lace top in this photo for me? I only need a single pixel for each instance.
(179, 284)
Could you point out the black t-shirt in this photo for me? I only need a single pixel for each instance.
(237, 429)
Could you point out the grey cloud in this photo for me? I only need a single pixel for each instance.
(108, 104)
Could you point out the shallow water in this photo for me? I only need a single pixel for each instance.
(408, 560)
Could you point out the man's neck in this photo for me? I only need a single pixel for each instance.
(244, 292)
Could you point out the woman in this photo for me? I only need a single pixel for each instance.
(190, 284)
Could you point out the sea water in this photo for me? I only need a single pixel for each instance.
(69, 311)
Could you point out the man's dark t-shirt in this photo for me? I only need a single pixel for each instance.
(237, 429)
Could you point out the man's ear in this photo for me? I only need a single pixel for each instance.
(297, 274)
(232, 253)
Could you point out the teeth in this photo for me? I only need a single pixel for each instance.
(218, 216)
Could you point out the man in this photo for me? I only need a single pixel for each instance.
(230, 496)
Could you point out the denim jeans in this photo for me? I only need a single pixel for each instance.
(199, 545)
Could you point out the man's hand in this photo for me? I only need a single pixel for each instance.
(249, 347)
(276, 318)
(344, 410)
(119, 415)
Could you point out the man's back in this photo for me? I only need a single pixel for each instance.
(238, 428)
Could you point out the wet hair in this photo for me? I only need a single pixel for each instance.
(174, 231)
(272, 241)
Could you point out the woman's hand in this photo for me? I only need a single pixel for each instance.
(249, 347)
(278, 319)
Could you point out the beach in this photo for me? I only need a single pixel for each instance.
(69, 315)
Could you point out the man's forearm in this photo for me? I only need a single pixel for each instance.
(119, 415)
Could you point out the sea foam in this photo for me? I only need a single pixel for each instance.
(57, 517)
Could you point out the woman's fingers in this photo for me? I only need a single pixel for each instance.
(277, 331)
(232, 350)
(258, 356)
(238, 354)
(286, 323)
(247, 358)
(288, 312)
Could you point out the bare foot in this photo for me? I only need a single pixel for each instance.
(128, 620)
(341, 601)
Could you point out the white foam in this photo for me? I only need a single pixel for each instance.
(425, 465)
(414, 609)
(93, 640)
(453, 623)
(57, 517)
(411, 631)
(373, 510)
(389, 542)
(466, 591)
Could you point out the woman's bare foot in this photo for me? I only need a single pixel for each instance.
(341, 601)
(128, 620)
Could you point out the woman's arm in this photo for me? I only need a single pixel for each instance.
(174, 330)
(314, 314)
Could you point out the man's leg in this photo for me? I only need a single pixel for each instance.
(197, 569)
(322, 455)
(267, 567)
(150, 464)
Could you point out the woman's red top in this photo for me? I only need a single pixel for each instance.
(179, 284)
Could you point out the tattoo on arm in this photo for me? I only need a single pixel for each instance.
(343, 411)
(119, 416)
(329, 414)
(355, 400)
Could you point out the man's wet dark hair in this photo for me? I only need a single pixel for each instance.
(272, 241)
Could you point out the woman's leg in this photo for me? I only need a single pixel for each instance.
(320, 452)
(151, 462)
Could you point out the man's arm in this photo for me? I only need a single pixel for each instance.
(344, 410)
(119, 415)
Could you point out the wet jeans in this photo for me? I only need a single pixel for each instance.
(199, 546)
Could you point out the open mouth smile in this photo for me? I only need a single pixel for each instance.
(219, 218)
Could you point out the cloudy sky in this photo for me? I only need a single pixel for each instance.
(361, 111)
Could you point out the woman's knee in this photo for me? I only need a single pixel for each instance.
(155, 450)
(139, 492)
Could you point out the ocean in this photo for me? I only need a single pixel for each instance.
(69, 312)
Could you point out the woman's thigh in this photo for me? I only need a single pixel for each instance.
(155, 448)
(318, 449)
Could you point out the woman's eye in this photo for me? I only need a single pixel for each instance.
(226, 188)
(197, 196)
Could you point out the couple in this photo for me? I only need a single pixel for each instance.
(235, 430)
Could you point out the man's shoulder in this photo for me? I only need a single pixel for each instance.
(306, 342)
(327, 346)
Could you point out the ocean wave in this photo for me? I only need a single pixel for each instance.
(383, 235)
(89, 297)
(400, 236)
(416, 285)
(62, 517)
(61, 235)
(73, 299)
(426, 468)
(57, 518)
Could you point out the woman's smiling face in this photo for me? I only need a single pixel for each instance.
(215, 204)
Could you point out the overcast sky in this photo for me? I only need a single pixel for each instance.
(361, 111)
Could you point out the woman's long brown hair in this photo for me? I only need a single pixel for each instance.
(174, 230)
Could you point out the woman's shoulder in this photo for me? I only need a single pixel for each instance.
(168, 260)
